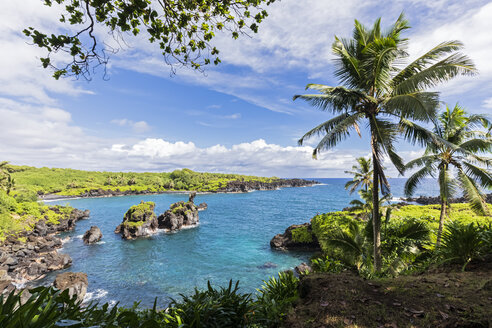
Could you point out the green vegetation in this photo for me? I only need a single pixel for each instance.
(461, 153)
(222, 307)
(408, 239)
(21, 213)
(68, 182)
(379, 92)
(302, 235)
(181, 31)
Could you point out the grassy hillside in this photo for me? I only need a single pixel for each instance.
(70, 182)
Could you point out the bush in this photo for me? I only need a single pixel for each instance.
(275, 297)
(302, 235)
(464, 243)
(327, 265)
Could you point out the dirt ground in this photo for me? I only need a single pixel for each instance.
(434, 299)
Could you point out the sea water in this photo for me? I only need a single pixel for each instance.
(232, 241)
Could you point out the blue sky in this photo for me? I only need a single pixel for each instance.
(238, 117)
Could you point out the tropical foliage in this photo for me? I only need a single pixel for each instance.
(209, 308)
(378, 92)
(464, 243)
(181, 30)
(465, 143)
(71, 182)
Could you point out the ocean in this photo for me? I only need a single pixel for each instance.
(232, 241)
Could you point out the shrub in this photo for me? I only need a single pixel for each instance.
(302, 235)
(223, 307)
(463, 243)
(327, 265)
(275, 297)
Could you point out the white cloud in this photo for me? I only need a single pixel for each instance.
(473, 29)
(22, 75)
(46, 136)
(256, 157)
(487, 103)
(138, 127)
(234, 116)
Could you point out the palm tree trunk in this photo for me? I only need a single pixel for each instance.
(444, 205)
(376, 220)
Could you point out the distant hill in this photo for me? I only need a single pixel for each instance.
(69, 182)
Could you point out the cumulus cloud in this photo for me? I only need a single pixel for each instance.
(138, 127)
(22, 75)
(256, 157)
(487, 103)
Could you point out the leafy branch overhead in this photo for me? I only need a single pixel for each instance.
(182, 30)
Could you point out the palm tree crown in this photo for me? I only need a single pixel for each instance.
(362, 175)
(385, 96)
(465, 144)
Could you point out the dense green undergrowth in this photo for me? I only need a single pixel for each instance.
(408, 239)
(19, 214)
(69, 182)
(212, 307)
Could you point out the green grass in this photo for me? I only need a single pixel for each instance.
(69, 182)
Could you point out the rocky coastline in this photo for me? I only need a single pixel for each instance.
(232, 187)
(30, 255)
(296, 237)
(429, 200)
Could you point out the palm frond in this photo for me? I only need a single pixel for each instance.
(324, 127)
(442, 71)
(472, 194)
(416, 178)
(482, 176)
(417, 105)
(429, 57)
(338, 133)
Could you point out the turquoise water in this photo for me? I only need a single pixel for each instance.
(231, 242)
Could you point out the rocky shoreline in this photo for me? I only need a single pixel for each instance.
(32, 254)
(232, 187)
(428, 200)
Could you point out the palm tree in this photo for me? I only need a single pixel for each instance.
(377, 91)
(362, 175)
(465, 144)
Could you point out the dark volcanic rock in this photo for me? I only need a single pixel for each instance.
(93, 235)
(139, 221)
(426, 200)
(285, 240)
(75, 282)
(303, 268)
(245, 186)
(202, 207)
(179, 215)
(32, 254)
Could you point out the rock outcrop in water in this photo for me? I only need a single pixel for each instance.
(75, 282)
(202, 207)
(31, 254)
(181, 214)
(426, 200)
(139, 221)
(92, 236)
(296, 237)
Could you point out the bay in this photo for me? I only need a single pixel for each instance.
(231, 241)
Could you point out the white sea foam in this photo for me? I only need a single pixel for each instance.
(65, 240)
(79, 236)
(101, 242)
(95, 295)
